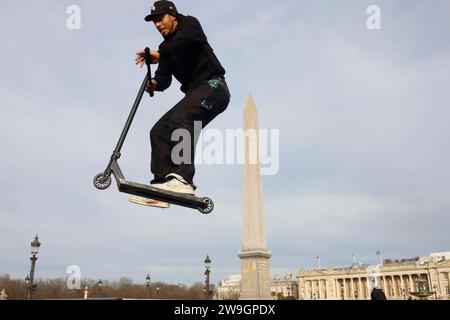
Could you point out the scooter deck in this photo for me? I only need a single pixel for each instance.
(175, 198)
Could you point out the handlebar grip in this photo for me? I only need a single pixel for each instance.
(147, 56)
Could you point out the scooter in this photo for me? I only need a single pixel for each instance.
(102, 181)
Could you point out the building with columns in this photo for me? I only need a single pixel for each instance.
(229, 289)
(3, 295)
(397, 278)
(287, 286)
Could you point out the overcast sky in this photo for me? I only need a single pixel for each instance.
(363, 117)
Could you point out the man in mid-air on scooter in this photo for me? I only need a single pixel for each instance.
(186, 55)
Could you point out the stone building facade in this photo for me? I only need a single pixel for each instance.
(229, 289)
(285, 287)
(3, 295)
(397, 278)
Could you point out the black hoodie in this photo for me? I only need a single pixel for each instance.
(187, 56)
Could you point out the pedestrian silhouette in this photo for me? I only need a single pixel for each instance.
(377, 294)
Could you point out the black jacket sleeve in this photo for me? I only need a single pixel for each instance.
(163, 75)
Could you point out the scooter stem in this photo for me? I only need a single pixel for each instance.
(148, 61)
(148, 76)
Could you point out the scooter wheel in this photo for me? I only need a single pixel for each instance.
(102, 181)
(209, 206)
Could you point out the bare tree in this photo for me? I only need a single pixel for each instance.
(124, 288)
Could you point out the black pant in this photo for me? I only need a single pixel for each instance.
(201, 104)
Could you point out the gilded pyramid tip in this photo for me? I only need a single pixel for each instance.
(250, 106)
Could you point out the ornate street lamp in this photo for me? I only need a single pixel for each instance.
(207, 272)
(99, 285)
(147, 285)
(29, 280)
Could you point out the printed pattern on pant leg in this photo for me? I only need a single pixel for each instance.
(205, 105)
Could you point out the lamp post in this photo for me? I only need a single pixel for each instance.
(435, 292)
(207, 272)
(147, 285)
(27, 286)
(342, 292)
(99, 285)
(29, 280)
(356, 295)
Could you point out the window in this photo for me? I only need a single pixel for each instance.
(445, 275)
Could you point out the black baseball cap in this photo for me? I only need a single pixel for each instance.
(161, 7)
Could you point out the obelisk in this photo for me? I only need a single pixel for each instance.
(255, 275)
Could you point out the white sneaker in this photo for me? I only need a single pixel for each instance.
(175, 183)
(148, 202)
